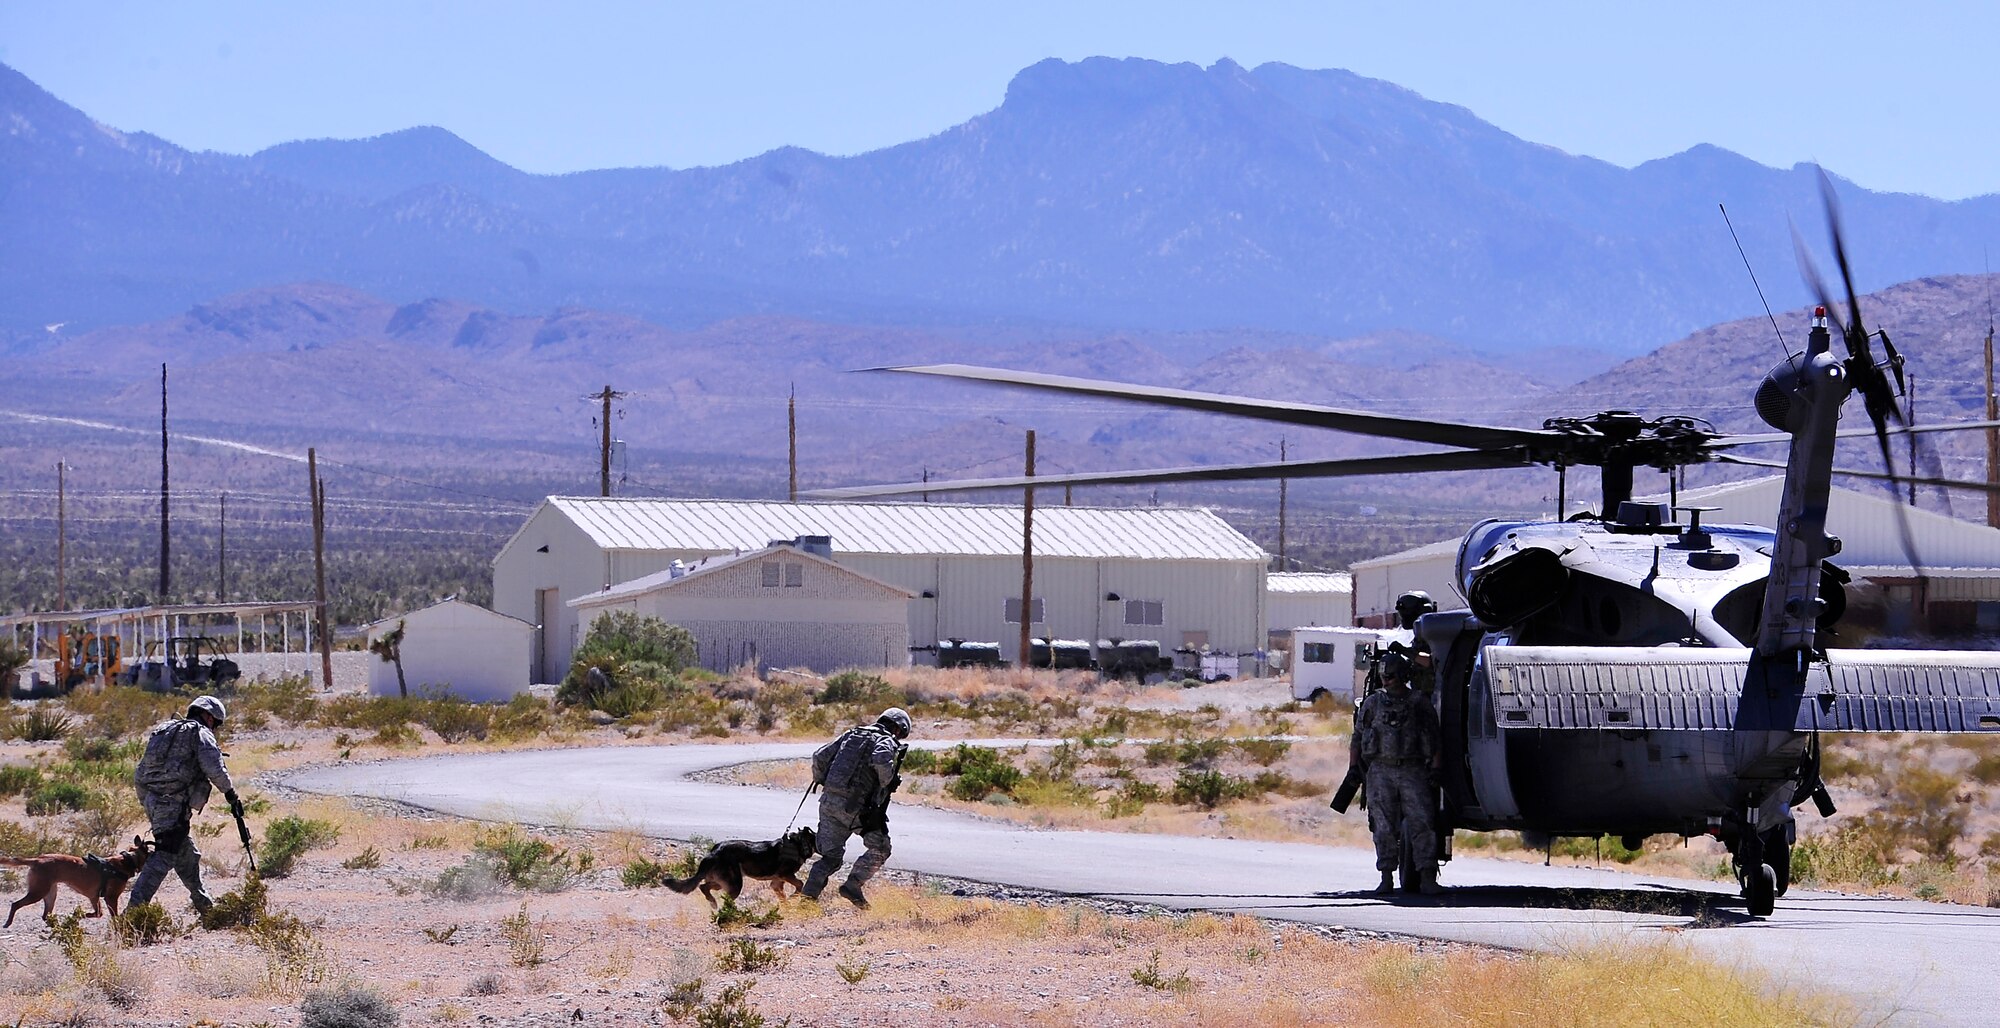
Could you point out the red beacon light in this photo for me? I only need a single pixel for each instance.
(1819, 316)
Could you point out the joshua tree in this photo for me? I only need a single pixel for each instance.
(389, 647)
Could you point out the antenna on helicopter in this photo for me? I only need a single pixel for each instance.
(1784, 348)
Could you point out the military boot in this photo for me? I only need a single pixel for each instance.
(1387, 887)
(1427, 882)
(851, 889)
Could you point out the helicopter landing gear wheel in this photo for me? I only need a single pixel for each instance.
(1760, 887)
(1778, 857)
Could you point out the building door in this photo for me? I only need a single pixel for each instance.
(548, 604)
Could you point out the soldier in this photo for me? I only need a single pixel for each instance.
(1396, 743)
(181, 762)
(856, 773)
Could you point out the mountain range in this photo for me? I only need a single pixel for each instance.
(1219, 203)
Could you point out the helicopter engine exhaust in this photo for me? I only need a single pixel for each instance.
(1518, 586)
(1774, 393)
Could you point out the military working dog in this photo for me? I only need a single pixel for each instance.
(725, 866)
(95, 878)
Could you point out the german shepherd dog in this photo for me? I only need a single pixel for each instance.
(730, 862)
(91, 877)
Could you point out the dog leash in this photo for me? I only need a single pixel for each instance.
(800, 807)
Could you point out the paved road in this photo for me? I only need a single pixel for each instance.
(1922, 963)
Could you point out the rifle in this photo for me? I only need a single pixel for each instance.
(243, 832)
(1357, 776)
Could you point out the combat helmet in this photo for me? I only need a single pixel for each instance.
(896, 720)
(208, 705)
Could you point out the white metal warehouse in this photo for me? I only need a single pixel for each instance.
(1180, 576)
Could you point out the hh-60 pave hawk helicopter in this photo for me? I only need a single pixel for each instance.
(1624, 673)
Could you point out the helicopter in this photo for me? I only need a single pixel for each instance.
(1632, 671)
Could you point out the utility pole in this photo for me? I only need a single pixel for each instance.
(1283, 484)
(222, 549)
(1992, 434)
(604, 446)
(319, 566)
(62, 541)
(1028, 557)
(165, 540)
(792, 442)
(927, 480)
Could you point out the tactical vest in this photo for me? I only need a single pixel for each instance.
(849, 771)
(172, 762)
(1393, 730)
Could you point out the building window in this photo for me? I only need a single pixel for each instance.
(1036, 610)
(1319, 653)
(795, 575)
(773, 574)
(1145, 612)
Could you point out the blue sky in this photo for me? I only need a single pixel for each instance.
(1893, 96)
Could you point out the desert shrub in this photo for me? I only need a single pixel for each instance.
(643, 874)
(288, 838)
(852, 974)
(980, 771)
(1263, 752)
(1985, 769)
(145, 924)
(455, 720)
(1148, 975)
(1921, 811)
(294, 958)
(630, 698)
(526, 945)
(473, 878)
(627, 647)
(45, 723)
(686, 861)
(289, 700)
(123, 984)
(67, 933)
(523, 717)
(1851, 854)
(56, 797)
(1038, 791)
(1607, 847)
(527, 862)
(729, 915)
(744, 956)
(920, 762)
(367, 860)
(1132, 798)
(1209, 789)
(12, 659)
(348, 1006)
(123, 710)
(240, 908)
(862, 688)
(731, 1009)
(16, 779)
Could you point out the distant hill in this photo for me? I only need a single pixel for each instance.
(1103, 194)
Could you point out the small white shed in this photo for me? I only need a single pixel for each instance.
(789, 605)
(1297, 598)
(456, 647)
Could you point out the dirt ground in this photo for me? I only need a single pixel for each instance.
(373, 909)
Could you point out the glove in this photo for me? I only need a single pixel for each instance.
(235, 804)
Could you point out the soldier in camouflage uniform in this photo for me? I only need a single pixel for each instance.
(856, 773)
(1396, 742)
(181, 762)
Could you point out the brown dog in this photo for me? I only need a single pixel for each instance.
(92, 878)
(726, 866)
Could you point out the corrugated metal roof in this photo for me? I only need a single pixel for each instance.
(673, 578)
(1310, 582)
(1147, 533)
(1447, 548)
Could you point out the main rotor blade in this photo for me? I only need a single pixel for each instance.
(1408, 464)
(1443, 433)
(1879, 476)
(1721, 442)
